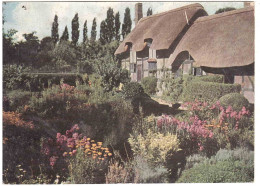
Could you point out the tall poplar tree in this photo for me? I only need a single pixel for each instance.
(126, 27)
(103, 31)
(65, 35)
(85, 32)
(55, 30)
(75, 29)
(117, 26)
(110, 25)
(94, 30)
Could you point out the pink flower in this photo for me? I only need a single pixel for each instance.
(229, 109)
(58, 135)
(233, 114)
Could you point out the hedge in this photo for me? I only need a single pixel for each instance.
(38, 81)
(208, 91)
(211, 78)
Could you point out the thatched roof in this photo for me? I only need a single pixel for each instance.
(162, 28)
(219, 41)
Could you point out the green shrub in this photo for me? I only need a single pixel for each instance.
(221, 172)
(18, 99)
(225, 166)
(236, 100)
(208, 91)
(149, 84)
(133, 90)
(211, 78)
(14, 77)
(145, 173)
(173, 88)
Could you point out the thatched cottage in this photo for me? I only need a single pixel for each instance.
(147, 48)
(221, 44)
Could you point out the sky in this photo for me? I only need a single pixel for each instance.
(38, 16)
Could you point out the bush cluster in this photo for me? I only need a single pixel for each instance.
(149, 84)
(236, 100)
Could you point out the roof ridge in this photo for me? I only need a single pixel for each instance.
(173, 10)
(224, 14)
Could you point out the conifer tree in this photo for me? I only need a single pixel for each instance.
(149, 11)
(103, 38)
(55, 30)
(126, 27)
(65, 35)
(85, 32)
(75, 29)
(94, 30)
(110, 25)
(117, 26)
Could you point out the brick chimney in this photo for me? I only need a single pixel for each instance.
(249, 3)
(138, 12)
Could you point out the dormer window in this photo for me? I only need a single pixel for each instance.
(152, 52)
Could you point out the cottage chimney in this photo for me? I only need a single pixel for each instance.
(249, 3)
(138, 12)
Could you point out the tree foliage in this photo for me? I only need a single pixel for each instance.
(65, 35)
(103, 31)
(149, 11)
(85, 32)
(221, 10)
(55, 30)
(9, 49)
(110, 25)
(117, 26)
(94, 30)
(75, 29)
(126, 27)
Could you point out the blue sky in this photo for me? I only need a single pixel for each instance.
(39, 16)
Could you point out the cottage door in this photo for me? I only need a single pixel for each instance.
(139, 72)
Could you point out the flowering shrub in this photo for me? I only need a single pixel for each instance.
(62, 152)
(207, 127)
(67, 145)
(154, 147)
(13, 118)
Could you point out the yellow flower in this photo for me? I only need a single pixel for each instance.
(99, 143)
(105, 155)
(92, 141)
(93, 145)
(106, 151)
(88, 139)
(87, 146)
(100, 153)
(109, 154)
(65, 153)
(70, 152)
(89, 153)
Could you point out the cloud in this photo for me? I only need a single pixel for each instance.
(39, 16)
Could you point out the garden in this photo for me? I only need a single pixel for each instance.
(72, 116)
(81, 128)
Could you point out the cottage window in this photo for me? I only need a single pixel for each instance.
(152, 66)
(197, 71)
(132, 67)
